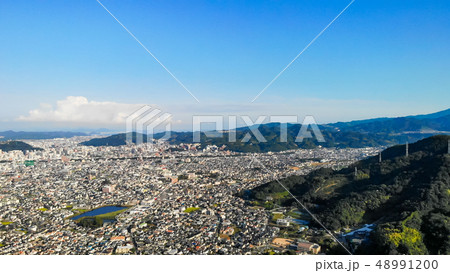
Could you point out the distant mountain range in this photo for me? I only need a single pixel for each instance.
(354, 134)
(444, 113)
(407, 196)
(12, 135)
(8, 146)
(436, 122)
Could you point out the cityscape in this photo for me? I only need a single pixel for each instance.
(191, 136)
(173, 199)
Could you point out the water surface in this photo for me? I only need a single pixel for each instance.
(99, 211)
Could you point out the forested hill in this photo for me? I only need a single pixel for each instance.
(115, 140)
(407, 196)
(8, 146)
(439, 121)
(339, 139)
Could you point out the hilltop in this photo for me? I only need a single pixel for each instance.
(114, 140)
(17, 145)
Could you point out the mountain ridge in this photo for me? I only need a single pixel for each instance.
(12, 145)
(375, 132)
(17, 135)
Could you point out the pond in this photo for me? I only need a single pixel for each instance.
(99, 211)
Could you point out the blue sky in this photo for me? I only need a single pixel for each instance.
(380, 58)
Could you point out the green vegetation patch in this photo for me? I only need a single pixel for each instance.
(296, 214)
(191, 209)
(280, 195)
(111, 215)
(276, 216)
(407, 238)
(78, 212)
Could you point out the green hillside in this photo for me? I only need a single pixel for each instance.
(8, 146)
(114, 140)
(407, 196)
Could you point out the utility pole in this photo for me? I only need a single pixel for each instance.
(448, 147)
(379, 157)
(407, 149)
(356, 172)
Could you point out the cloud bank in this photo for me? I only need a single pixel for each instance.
(80, 110)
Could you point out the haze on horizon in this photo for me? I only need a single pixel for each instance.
(69, 65)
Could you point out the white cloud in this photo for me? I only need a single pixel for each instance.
(79, 110)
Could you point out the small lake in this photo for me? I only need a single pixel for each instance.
(99, 211)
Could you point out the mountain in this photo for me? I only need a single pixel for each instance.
(435, 122)
(433, 115)
(8, 146)
(339, 139)
(403, 125)
(426, 116)
(114, 140)
(271, 134)
(272, 143)
(11, 135)
(407, 196)
(355, 134)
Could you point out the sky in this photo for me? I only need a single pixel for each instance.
(69, 65)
